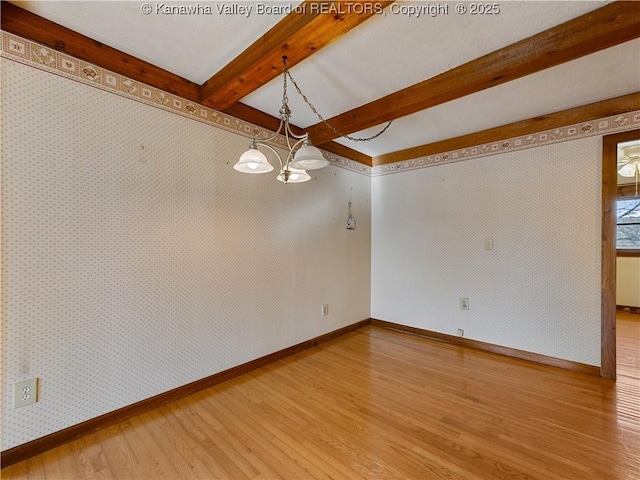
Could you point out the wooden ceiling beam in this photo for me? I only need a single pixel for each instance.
(613, 24)
(586, 113)
(25, 24)
(29, 25)
(308, 28)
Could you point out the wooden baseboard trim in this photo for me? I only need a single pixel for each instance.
(628, 308)
(39, 445)
(340, 332)
(489, 347)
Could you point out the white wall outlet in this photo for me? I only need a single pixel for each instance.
(488, 243)
(464, 303)
(25, 393)
(325, 309)
(460, 332)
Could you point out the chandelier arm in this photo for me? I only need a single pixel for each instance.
(275, 134)
(288, 135)
(298, 137)
(322, 119)
(266, 145)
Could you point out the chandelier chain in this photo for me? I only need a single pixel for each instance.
(331, 127)
(285, 98)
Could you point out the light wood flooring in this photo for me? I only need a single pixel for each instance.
(379, 404)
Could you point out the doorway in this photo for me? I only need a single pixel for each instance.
(608, 364)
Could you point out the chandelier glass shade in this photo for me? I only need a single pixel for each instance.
(308, 157)
(301, 155)
(295, 176)
(253, 161)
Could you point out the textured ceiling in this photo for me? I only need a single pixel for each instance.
(605, 74)
(385, 54)
(391, 52)
(191, 46)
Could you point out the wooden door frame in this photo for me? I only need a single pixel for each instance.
(608, 266)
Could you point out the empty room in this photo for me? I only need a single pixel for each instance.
(314, 240)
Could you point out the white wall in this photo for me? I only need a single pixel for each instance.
(628, 281)
(538, 290)
(130, 271)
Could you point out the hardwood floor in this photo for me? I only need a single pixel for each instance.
(379, 404)
(628, 345)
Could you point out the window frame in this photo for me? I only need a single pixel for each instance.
(625, 192)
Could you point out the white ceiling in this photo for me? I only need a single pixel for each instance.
(589, 79)
(385, 54)
(191, 46)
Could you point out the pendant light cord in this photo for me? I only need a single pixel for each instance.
(320, 117)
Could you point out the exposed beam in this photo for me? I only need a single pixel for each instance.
(605, 108)
(308, 28)
(28, 25)
(252, 115)
(610, 25)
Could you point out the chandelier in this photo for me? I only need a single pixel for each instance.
(302, 155)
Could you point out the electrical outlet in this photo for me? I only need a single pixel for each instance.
(464, 304)
(25, 393)
(488, 243)
(325, 309)
(460, 332)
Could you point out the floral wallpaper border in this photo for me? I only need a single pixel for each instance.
(44, 58)
(602, 126)
(48, 59)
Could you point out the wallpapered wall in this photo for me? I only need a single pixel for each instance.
(538, 290)
(136, 260)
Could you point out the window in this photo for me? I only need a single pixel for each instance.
(628, 225)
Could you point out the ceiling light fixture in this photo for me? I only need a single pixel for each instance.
(302, 155)
(629, 163)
